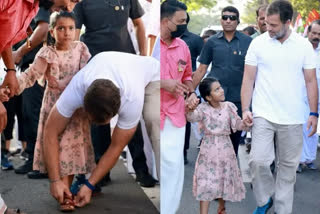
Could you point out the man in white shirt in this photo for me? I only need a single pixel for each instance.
(277, 65)
(309, 152)
(111, 83)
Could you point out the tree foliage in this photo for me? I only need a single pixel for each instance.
(300, 6)
(200, 21)
(195, 5)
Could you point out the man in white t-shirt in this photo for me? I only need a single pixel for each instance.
(277, 64)
(111, 83)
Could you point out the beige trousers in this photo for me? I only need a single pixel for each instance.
(288, 141)
(151, 116)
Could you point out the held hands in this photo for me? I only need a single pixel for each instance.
(313, 123)
(4, 94)
(192, 102)
(11, 82)
(247, 118)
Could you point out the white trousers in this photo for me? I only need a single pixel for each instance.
(310, 146)
(172, 167)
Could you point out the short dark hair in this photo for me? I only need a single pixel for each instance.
(281, 7)
(261, 7)
(102, 100)
(208, 33)
(169, 7)
(205, 87)
(250, 30)
(232, 10)
(314, 22)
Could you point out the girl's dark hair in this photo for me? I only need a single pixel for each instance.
(53, 21)
(205, 87)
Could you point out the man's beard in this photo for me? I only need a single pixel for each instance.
(280, 34)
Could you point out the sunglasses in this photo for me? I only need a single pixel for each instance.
(231, 17)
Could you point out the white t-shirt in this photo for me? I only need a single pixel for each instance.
(279, 86)
(131, 73)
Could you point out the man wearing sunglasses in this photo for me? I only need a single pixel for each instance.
(226, 51)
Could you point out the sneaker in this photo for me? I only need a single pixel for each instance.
(311, 166)
(264, 209)
(36, 174)
(75, 187)
(24, 156)
(24, 169)
(299, 169)
(145, 179)
(5, 163)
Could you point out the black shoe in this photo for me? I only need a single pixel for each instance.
(35, 174)
(24, 169)
(145, 179)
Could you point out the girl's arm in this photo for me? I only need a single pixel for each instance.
(34, 72)
(236, 122)
(195, 116)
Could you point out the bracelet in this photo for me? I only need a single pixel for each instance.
(9, 69)
(246, 109)
(314, 114)
(54, 181)
(90, 186)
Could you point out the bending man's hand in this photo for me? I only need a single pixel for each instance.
(83, 197)
(247, 118)
(313, 123)
(11, 81)
(59, 190)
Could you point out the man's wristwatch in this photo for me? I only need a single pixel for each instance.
(192, 92)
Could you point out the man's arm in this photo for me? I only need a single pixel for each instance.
(151, 41)
(199, 74)
(38, 36)
(77, 34)
(141, 36)
(312, 91)
(120, 138)
(249, 77)
(55, 125)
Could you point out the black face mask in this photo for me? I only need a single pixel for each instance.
(180, 30)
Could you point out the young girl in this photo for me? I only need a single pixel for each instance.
(216, 175)
(59, 63)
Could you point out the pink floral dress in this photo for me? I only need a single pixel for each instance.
(75, 148)
(217, 174)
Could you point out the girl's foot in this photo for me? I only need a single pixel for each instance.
(222, 210)
(67, 205)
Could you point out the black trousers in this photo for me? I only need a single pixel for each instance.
(32, 101)
(14, 107)
(101, 139)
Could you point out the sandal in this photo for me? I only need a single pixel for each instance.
(13, 211)
(222, 211)
(67, 205)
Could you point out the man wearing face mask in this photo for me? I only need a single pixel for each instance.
(226, 51)
(176, 71)
(309, 151)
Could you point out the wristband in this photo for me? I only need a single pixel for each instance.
(314, 114)
(54, 181)
(9, 69)
(90, 186)
(192, 92)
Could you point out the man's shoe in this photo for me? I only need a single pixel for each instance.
(264, 209)
(311, 166)
(145, 179)
(35, 174)
(24, 169)
(299, 169)
(24, 156)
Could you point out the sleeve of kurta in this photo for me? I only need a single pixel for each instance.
(196, 115)
(85, 55)
(37, 69)
(235, 120)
